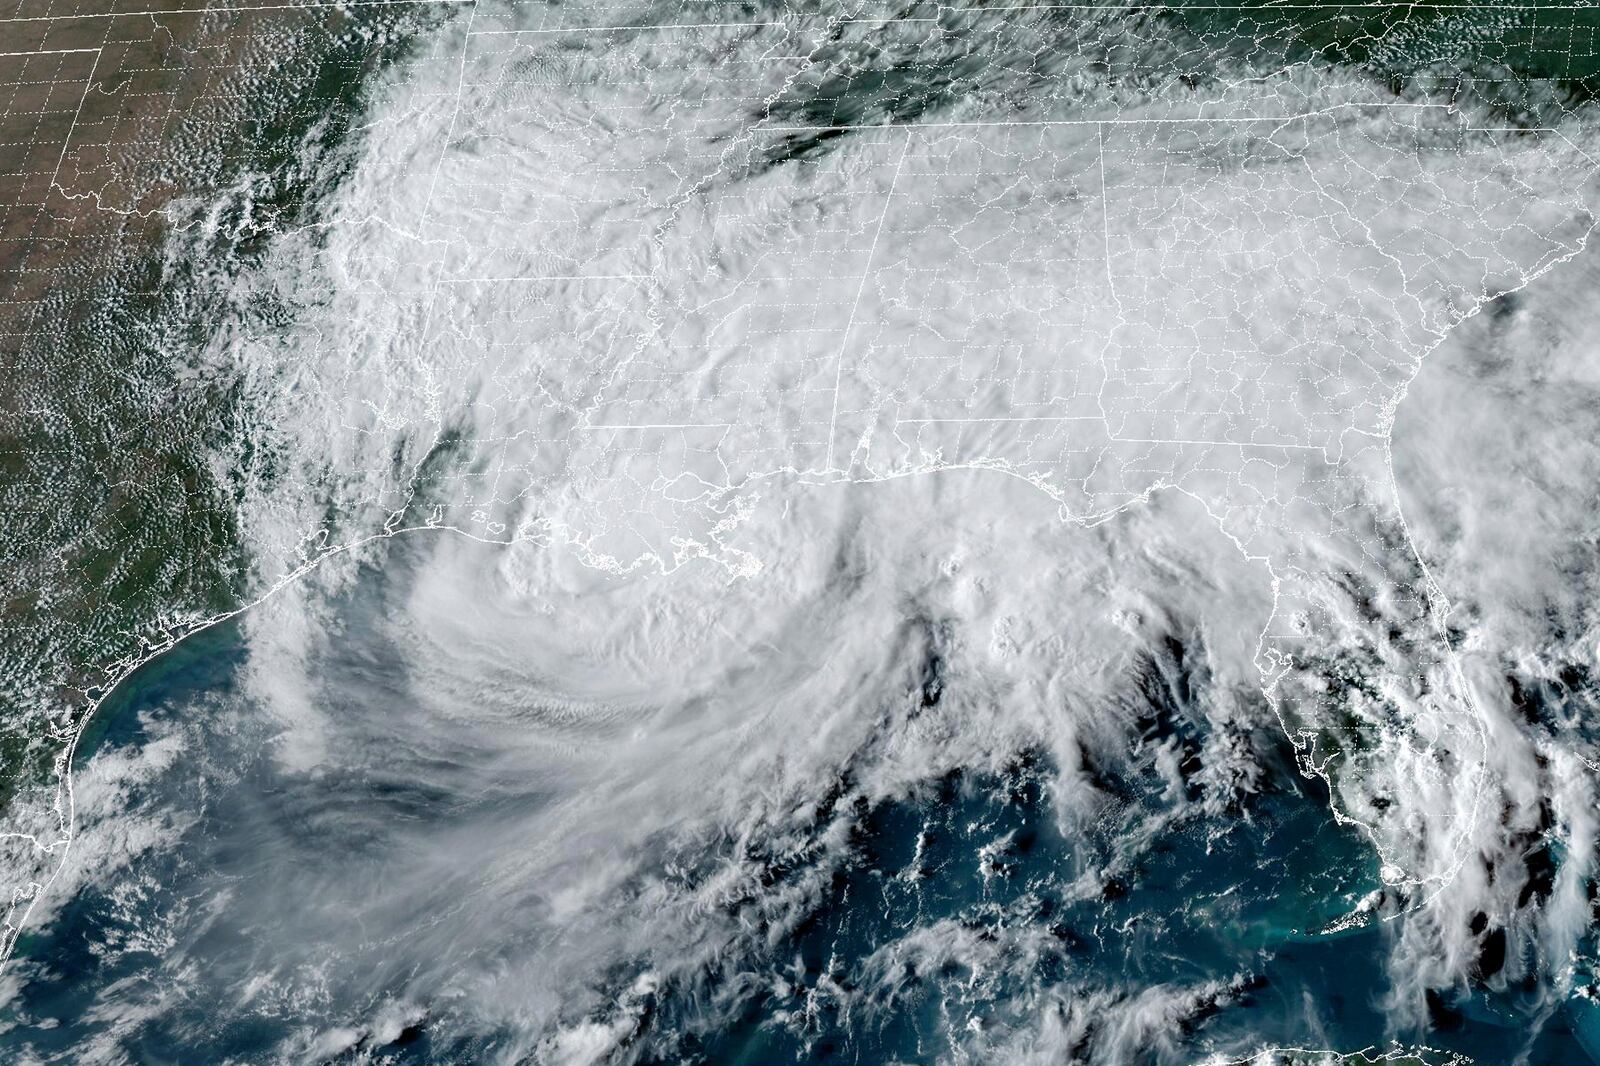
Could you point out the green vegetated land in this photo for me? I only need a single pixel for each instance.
(118, 533)
(1519, 55)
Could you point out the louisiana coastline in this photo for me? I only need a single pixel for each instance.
(842, 533)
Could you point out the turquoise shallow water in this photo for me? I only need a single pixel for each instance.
(154, 960)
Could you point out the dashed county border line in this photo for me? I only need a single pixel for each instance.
(1253, 501)
(1255, 8)
(1301, 479)
(229, 9)
(457, 189)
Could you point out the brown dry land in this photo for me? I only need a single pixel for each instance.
(116, 536)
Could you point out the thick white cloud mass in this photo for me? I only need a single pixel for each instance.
(797, 419)
(501, 782)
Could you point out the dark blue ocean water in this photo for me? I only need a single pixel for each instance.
(1234, 898)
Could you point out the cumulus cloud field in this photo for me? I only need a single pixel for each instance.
(916, 535)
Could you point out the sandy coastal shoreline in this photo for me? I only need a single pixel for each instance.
(116, 122)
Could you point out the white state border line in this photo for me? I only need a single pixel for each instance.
(66, 143)
(36, 891)
(1155, 6)
(224, 9)
(314, 5)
